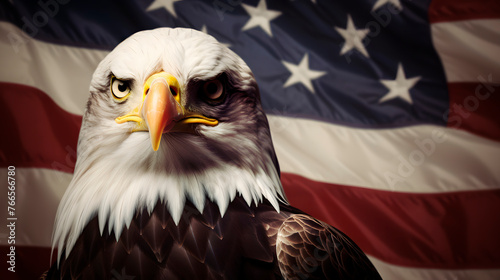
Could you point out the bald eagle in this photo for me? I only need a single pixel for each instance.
(177, 177)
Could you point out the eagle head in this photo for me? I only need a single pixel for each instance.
(173, 115)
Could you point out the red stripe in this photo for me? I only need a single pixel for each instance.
(474, 108)
(445, 230)
(38, 133)
(455, 10)
(30, 262)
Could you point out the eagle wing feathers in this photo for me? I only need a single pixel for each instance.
(310, 249)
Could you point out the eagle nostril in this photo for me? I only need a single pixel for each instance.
(173, 91)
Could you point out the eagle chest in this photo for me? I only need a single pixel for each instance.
(241, 245)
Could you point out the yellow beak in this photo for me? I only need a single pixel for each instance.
(160, 110)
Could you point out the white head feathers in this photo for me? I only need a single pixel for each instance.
(117, 171)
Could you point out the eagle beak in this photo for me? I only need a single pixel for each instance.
(160, 110)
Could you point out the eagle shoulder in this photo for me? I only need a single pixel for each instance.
(310, 249)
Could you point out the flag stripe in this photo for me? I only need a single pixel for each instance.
(458, 10)
(468, 49)
(387, 225)
(474, 108)
(394, 272)
(393, 159)
(61, 71)
(413, 159)
(40, 133)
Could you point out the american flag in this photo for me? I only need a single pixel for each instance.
(384, 116)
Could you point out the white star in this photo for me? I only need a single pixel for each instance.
(400, 87)
(302, 74)
(260, 16)
(204, 30)
(353, 37)
(167, 4)
(381, 3)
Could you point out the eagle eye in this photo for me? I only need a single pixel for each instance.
(120, 89)
(213, 90)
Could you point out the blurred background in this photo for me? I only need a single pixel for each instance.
(384, 116)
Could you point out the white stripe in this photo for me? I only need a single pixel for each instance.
(469, 49)
(63, 72)
(413, 159)
(37, 195)
(385, 159)
(395, 272)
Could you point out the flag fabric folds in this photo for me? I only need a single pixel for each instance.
(383, 113)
